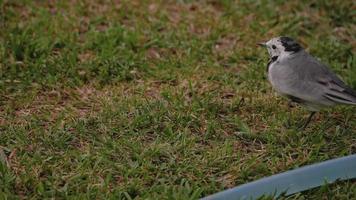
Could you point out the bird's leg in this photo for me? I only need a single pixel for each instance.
(288, 124)
(308, 120)
(290, 106)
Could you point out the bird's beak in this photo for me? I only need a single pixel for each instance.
(262, 44)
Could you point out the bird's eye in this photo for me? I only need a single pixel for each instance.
(274, 47)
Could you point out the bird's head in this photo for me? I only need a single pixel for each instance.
(281, 46)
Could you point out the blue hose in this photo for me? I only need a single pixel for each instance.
(293, 181)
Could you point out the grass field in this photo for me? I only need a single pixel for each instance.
(162, 99)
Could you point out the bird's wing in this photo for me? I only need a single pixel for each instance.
(289, 77)
(333, 88)
(307, 79)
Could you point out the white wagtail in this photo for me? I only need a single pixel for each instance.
(296, 74)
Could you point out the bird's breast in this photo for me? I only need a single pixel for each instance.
(281, 77)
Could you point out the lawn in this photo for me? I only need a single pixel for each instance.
(162, 99)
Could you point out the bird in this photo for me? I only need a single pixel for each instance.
(297, 75)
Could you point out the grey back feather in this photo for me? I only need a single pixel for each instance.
(304, 77)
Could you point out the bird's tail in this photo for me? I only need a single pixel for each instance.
(345, 96)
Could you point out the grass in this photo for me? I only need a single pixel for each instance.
(162, 99)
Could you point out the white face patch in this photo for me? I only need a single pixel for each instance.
(274, 47)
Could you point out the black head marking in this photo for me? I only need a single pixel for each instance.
(272, 60)
(289, 44)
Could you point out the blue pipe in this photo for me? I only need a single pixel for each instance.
(293, 181)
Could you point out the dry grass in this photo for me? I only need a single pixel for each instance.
(161, 99)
